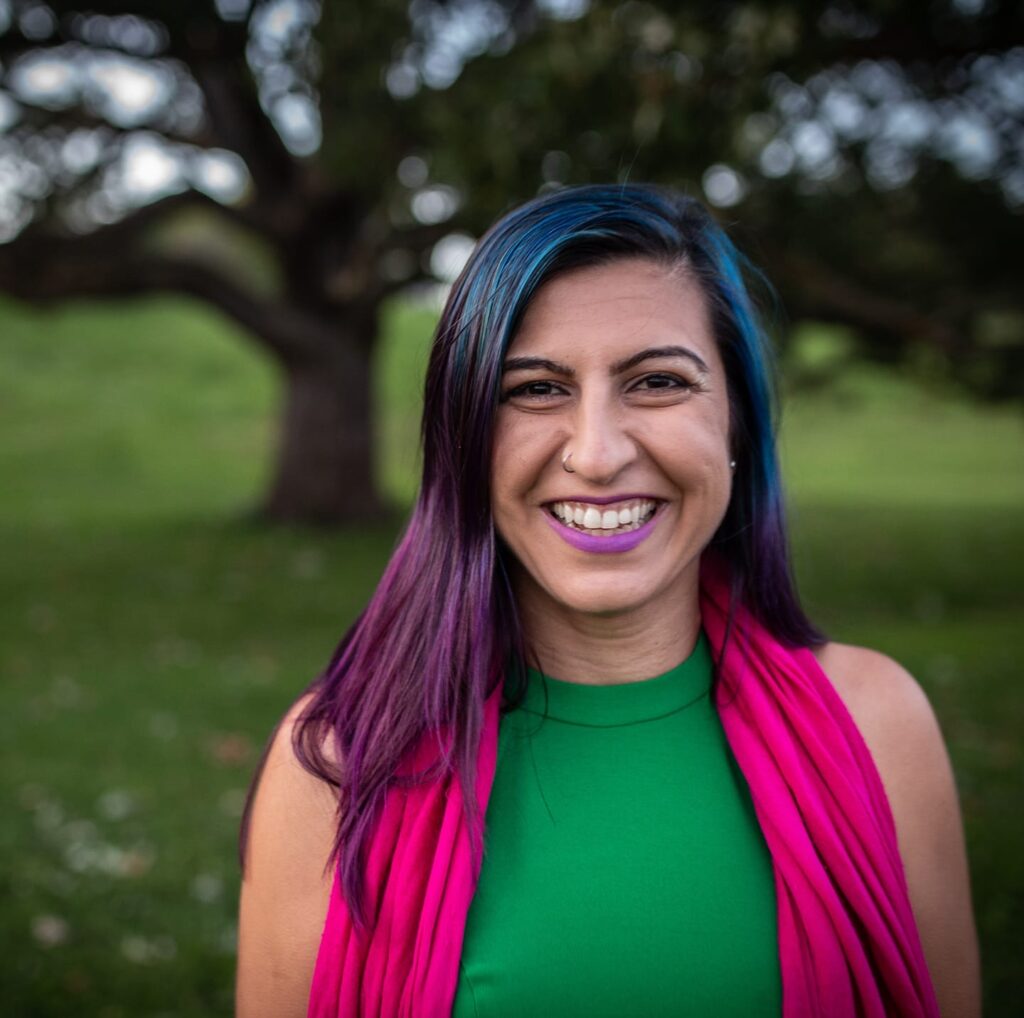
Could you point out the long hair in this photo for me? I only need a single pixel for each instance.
(441, 629)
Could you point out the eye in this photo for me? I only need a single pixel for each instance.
(534, 390)
(661, 381)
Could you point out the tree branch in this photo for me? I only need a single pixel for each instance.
(40, 120)
(919, 42)
(213, 53)
(114, 237)
(42, 265)
(823, 293)
(237, 122)
(55, 274)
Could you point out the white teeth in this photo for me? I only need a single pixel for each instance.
(627, 514)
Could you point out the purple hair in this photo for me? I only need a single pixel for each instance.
(442, 629)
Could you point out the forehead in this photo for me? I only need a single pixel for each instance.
(615, 308)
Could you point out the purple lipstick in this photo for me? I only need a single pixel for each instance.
(614, 543)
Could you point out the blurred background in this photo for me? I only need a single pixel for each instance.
(225, 232)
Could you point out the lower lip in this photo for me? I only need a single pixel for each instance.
(602, 545)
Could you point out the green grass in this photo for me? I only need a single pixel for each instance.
(149, 639)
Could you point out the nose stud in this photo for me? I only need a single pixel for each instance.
(732, 464)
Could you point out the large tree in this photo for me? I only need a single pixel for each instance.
(871, 151)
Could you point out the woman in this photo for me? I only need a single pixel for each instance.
(589, 633)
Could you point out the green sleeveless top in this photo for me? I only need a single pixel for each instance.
(624, 870)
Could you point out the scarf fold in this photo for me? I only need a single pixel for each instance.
(848, 943)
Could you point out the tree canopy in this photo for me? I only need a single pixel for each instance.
(867, 153)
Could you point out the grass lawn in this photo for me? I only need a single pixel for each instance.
(149, 640)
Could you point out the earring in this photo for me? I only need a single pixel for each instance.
(732, 464)
(565, 463)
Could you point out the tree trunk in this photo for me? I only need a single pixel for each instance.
(324, 472)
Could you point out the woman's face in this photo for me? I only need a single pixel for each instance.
(614, 365)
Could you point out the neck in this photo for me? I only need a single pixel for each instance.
(608, 649)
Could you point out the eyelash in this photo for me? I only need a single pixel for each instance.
(679, 383)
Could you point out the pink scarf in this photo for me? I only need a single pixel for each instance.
(848, 944)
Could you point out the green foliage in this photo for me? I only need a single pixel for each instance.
(663, 93)
(149, 639)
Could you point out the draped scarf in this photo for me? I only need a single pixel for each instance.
(848, 943)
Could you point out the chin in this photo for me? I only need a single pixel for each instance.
(602, 600)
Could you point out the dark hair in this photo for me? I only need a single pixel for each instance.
(441, 628)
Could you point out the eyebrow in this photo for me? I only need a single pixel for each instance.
(651, 353)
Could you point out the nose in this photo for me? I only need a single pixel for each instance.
(600, 444)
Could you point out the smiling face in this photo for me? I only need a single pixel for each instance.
(615, 366)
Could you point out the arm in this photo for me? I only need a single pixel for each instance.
(900, 729)
(285, 886)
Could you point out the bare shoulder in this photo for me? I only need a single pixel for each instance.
(888, 705)
(895, 718)
(287, 791)
(286, 881)
(902, 733)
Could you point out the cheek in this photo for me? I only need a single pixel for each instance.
(695, 450)
(521, 451)
(502, 459)
(510, 469)
(715, 437)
